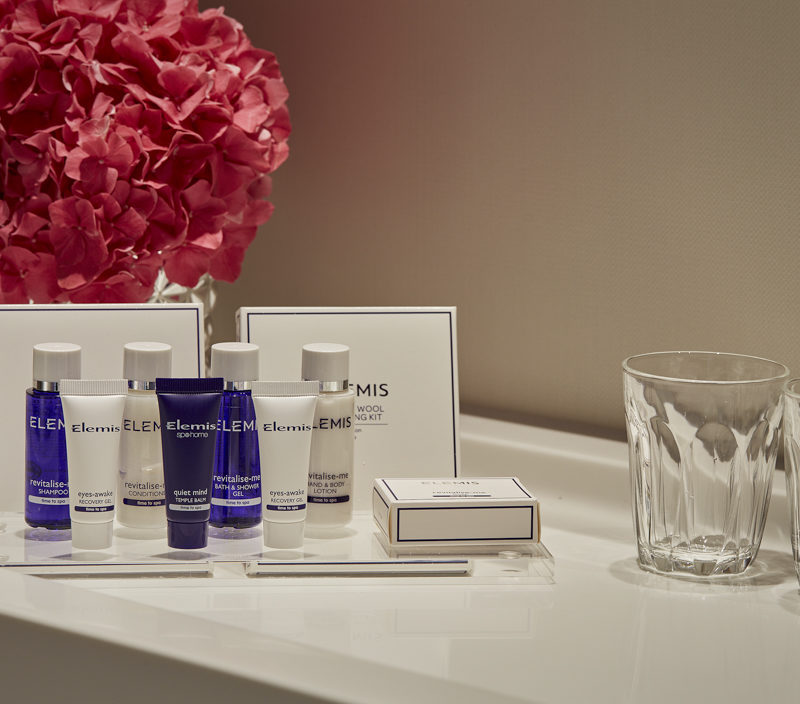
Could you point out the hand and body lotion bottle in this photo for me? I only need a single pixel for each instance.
(330, 471)
(141, 472)
(46, 481)
(236, 491)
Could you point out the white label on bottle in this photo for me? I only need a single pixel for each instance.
(236, 502)
(49, 500)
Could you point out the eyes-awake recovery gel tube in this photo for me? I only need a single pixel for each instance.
(93, 423)
(189, 409)
(285, 419)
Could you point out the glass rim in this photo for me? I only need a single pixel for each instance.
(628, 369)
(791, 392)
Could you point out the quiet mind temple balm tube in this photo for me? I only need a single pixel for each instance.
(285, 420)
(189, 409)
(93, 423)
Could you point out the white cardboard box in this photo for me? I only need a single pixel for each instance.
(403, 368)
(101, 331)
(447, 511)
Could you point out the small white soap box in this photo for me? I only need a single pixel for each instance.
(448, 511)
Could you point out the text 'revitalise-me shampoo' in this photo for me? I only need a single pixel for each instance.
(46, 476)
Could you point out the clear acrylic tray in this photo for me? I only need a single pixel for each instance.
(357, 551)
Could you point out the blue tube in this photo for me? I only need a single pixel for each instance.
(189, 409)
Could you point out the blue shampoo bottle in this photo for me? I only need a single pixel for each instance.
(46, 478)
(236, 487)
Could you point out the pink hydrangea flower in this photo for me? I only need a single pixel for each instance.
(135, 135)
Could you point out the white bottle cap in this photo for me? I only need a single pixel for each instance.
(92, 536)
(53, 361)
(234, 361)
(144, 362)
(328, 363)
(286, 536)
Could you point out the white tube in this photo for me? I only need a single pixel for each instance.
(93, 422)
(285, 419)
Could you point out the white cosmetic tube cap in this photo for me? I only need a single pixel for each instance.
(146, 361)
(234, 361)
(53, 361)
(92, 536)
(284, 535)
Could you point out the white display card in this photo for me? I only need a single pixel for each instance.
(403, 368)
(101, 330)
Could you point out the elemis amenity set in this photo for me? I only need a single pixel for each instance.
(230, 449)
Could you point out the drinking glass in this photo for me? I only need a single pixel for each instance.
(791, 454)
(703, 436)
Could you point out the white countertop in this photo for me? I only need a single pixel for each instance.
(605, 631)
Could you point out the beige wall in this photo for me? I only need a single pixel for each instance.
(584, 180)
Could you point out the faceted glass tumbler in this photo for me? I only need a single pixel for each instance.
(703, 437)
(791, 443)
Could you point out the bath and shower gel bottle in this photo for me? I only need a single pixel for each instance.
(140, 502)
(236, 487)
(330, 471)
(46, 477)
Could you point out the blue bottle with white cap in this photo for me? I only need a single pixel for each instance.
(46, 475)
(236, 487)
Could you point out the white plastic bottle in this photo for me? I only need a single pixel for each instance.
(141, 473)
(330, 471)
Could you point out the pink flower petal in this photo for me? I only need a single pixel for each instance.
(77, 242)
(130, 224)
(241, 149)
(30, 224)
(128, 281)
(251, 110)
(26, 17)
(257, 212)
(260, 188)
(41, 283)
(186, 265)
(146, 10)
(103, 10)
(226, 264)
(134, 50)
(18, 67)
(15, 263)
(177, 80)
